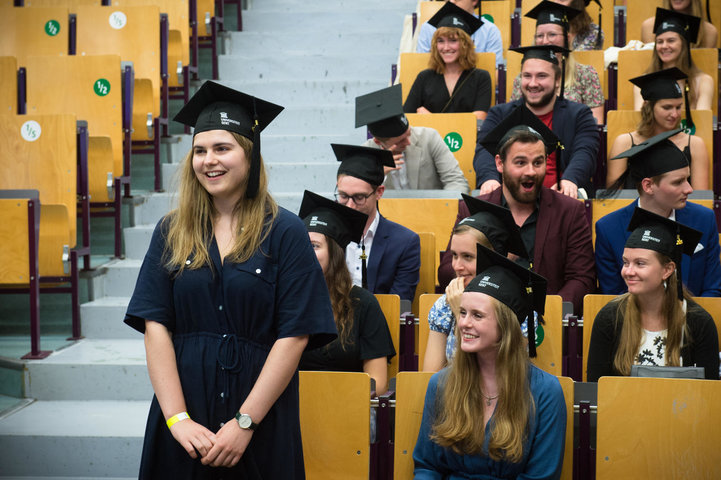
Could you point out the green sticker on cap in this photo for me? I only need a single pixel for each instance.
(684, 126)
(52, 27)
(540, 334)
(101, 87)
(454, 141)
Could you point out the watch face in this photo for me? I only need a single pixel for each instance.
(244, 421)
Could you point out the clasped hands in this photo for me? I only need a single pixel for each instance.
(222, 449)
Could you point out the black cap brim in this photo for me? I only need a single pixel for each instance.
(382, 111)
(661, 84)
(340, 223)
(661, 234)
(520, 118)
(541, 52)
(365, 163)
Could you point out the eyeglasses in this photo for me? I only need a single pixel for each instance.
(358, 198)
(549, 36)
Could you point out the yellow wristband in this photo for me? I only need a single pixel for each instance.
(176, 418)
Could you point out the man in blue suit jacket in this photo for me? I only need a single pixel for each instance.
(572, 122)
(661, 174)
(393, 251)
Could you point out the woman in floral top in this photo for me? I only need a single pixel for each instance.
(583, 33)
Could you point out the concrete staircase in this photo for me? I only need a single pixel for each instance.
(88, 403)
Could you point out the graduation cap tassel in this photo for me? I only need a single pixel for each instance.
(254, 173)
(679, 256)
(364, 266)
(599, 43)
(563, 74)
(689, 120)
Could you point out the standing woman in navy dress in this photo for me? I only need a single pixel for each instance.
(229, 295)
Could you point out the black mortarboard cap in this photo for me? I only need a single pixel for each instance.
(365, 163)
(663, 235)
(520, 118)
(541, 52)
(497, 224)
(660, 85)
(519, 288)
(342, 224)
(671, 21)
(451, 15)
(552, 12)
(217, 107)
(655, 156)
(382, 111)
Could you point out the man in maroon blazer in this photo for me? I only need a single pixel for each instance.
(553, 226)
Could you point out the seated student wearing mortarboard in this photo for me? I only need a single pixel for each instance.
(390, 252)
(656, 322)
(452, 83)
(567, 170)
(584, 34)
(554, 228)
(707, 34)
(422, 159)
(660, 171)
(581, 82)
(487, 38)
(661, 112)
(364, 342)
(229, 296)
(675, 32)
(491, 413)
(489, 225)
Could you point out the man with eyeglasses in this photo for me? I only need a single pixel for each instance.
(389, 254)
(422, 159)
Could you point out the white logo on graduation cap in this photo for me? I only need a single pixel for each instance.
(223, 114)
(554, 18)
(224, 120)
(666, 25)
(458, 21)
(647, 237)
(486, 282)
(678, 87)
(314, 221)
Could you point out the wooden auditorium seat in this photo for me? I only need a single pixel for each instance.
(567, 386)
(459, 131)
(33, 31)
(8, 85)
(335, 424)
(500, 11)
(550, 352)
(425, 304)
(391, 307)
(427, 273)
(70, 4)
(619, 122)
(135, 36)
(592, 304)
(426, 10)
(632, 63)
(411, 64)
(657, 428)
(90, 88)
(713, 306)
(636, 13)
(410, 398)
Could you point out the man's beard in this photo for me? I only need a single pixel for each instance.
(514, 187)
(544, 101)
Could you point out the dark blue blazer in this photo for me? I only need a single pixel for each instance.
(701, 272)
(394, 260)
(573, 123)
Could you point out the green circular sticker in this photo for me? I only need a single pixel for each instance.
(488, 17)
(539, 335)
(52, 27)
(101, 87)
(684, 126)
(454, 141)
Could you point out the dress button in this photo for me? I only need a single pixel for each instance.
(222, 394)
(257, 270)
(187, 262)
(221, 424)
(220, 307)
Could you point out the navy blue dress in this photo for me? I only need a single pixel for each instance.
(224, 321)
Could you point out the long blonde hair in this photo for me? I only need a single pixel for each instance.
(459, 421)
(684, 63)
(190, 226)
(629, 314)
(466, 47)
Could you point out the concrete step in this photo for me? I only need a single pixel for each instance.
(296, 177)
(330, 20)
(291, 200)
(91, 369)
(308, 92)
(103, 318)
(137, 240)
(154, 207)
(318, 41)
(121, 277)
(318, 120)
(73, 439)
(306, 66)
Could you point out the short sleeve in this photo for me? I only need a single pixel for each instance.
(440, 317)
(152, 298)
(302, 300)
